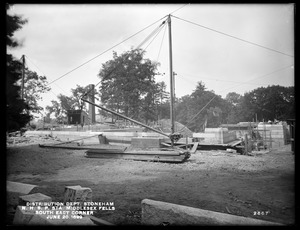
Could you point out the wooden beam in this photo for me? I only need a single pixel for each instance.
(194, 149)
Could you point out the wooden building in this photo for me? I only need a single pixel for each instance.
(77, 117)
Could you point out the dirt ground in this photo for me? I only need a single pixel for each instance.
(212, 180)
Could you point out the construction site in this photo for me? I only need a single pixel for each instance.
(141, 170)
(237, 174)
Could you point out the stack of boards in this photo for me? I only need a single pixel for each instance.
(168, 155)
(163, 155)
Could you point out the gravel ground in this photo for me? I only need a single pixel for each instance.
(212, 180)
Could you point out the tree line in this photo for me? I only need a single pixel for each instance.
(128, 86)
(20, 111)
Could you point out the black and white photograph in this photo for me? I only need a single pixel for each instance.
(150, 114)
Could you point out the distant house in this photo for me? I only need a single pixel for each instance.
(77, 117)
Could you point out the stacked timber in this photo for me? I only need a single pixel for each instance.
(154, 155)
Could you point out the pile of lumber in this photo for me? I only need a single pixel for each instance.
(163, 155)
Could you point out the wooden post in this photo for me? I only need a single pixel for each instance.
(246, 143)
(186, 142)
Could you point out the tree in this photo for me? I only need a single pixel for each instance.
(34, 86)
(233, 98)
(272, 102)
(128, 85)
(214, 115)
(13, 24)
(77, 93)
(162, 101)
(17, 111)
(235, 113)
(202, 108)
(59, 108)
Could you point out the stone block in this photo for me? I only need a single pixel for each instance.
(120, 134)
(205, 135)
(77, 194)
(35, 197)
(23, 215)
(213, 130)
(16, 189)
(158, 213)
(146, 142)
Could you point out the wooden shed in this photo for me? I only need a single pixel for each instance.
(78, 117)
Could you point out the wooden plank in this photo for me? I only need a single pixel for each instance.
(103, 151)
(165, 144)
(194, 149)
(154, 152)
(154, 158)
(96, 147)
(103, 155)
(116, 139)
(183, 145)
(134, 152)
(234, 143)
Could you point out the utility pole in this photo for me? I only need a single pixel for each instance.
(174, 74)
(172, 115)
(23, 76)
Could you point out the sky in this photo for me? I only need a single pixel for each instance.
(229, 47)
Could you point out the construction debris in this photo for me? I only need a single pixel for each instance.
(33, 139)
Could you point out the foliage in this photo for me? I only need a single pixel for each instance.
(195, 112)
(234, 98)
(59, 108)
(34, 86)
(162, 101)
(17, 111)
(272, 102)
(60, 112)
(77, 93)
(235, 113)
(128, 85)
(13, 24)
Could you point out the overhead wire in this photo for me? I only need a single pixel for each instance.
(226, 34)
(113, 46)
(53, 81)
(265, 75)
(68, 105)
(106, 51)
(155, 31)
(26, 63)
(262, 76)
(179, 8)
(45, 75)
(214, 79)
(154, 36)
(42, 71)
(162, 40)
(158, 30)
